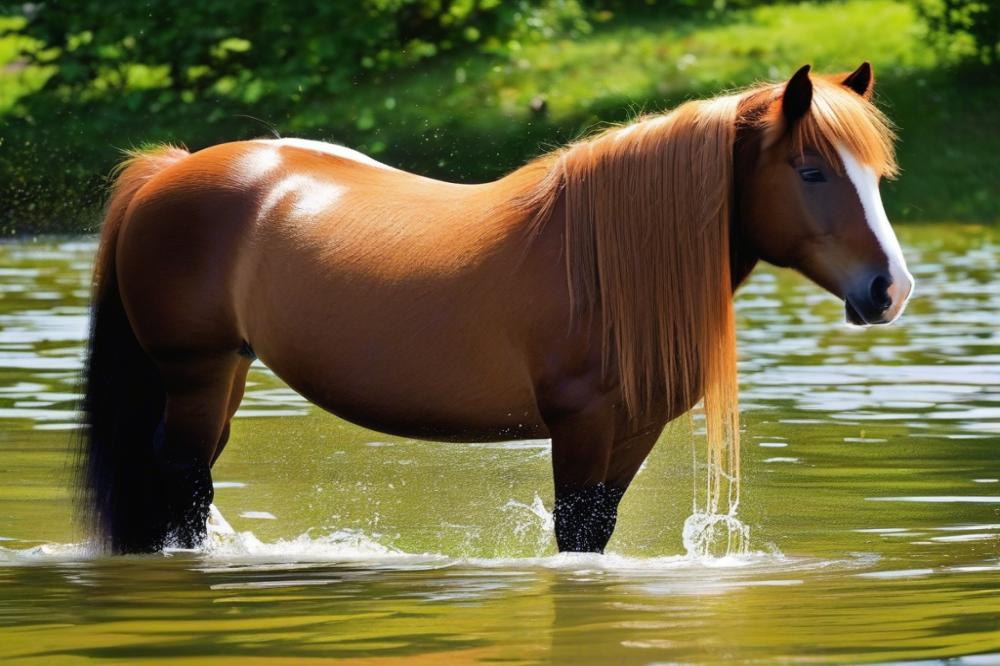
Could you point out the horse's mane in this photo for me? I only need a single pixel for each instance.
(646, 233)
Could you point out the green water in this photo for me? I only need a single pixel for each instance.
(871, 464)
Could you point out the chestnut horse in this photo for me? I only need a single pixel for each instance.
(586, 297)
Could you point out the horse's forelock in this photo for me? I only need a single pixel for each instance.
(838, 116)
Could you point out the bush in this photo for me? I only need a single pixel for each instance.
(223, 47)
(964, 29)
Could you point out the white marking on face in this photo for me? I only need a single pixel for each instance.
(865, 182)
(327, 148)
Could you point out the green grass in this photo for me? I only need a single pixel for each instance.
(469, 118)
(661, 60)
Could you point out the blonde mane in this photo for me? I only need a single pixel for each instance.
(646, 236)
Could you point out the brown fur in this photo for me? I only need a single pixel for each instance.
(129, 176)
(586, 297)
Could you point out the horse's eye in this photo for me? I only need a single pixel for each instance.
(812, 175)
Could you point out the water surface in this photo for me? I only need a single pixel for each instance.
(871, 484)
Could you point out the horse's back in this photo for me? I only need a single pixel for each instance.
(197, 233)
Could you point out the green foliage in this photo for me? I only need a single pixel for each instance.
(81, 80)
(965, 29)
(257, 48)
(459, 89)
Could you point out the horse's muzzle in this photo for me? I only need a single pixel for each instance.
(871, 301)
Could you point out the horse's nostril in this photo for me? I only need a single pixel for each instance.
(879, 291)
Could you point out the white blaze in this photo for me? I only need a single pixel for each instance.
(865, 181)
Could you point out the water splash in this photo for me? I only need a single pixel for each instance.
(536, 516)
(712, 539)
(47, 552)
(225, 543)
(226, 548)
(710, 535)
(527, 527)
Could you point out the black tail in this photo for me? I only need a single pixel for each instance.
(118, 498)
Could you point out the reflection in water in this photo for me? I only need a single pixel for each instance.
(871, 485)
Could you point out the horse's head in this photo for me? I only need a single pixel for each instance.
(808, 162)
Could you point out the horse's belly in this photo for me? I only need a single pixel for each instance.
(438, 403)
(387, 371)
(440, 426)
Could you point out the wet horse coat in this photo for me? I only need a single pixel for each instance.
(587, 297)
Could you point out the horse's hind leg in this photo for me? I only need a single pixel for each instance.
(199, 405)
(235, 398)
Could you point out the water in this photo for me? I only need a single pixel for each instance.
(871, 487)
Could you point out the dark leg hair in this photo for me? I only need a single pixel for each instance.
(187, 490)
(203, 390)
(585, 518)
(585, 508)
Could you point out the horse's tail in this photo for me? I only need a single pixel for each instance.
(123, 396)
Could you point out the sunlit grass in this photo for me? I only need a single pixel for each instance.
(623, 60)
(657, 60)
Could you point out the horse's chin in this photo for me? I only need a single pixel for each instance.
(852, 316)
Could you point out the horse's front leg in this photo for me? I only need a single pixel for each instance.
(594, 459)
(586, 507)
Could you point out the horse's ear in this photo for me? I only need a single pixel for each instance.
(861, 80)
(797, 98)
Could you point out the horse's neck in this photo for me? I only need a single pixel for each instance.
(742, 258)
(742, 255)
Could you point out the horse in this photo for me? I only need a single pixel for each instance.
(586, 297)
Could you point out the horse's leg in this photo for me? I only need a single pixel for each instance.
(628, 454)
(585, 507)
(591, 479)
(199, 391)
(235, 398)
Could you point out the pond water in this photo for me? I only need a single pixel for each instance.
(871, 484)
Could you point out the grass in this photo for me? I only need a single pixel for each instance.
(470, 118)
